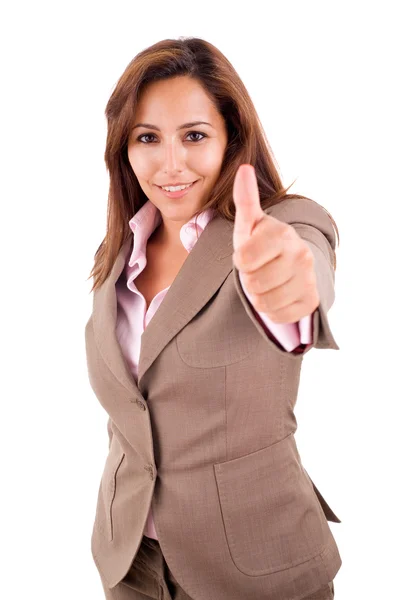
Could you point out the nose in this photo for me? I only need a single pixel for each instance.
(173, 159)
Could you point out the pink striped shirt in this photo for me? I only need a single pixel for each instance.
(133, 318)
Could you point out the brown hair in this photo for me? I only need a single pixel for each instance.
(247, 142)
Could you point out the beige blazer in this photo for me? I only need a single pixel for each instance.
(208, 430)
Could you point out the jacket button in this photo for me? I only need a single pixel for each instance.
(140, 404)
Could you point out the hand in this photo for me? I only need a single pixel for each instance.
(277, 266)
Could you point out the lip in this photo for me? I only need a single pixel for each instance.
(175, 184)
(179, 193)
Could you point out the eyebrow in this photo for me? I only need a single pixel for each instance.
(184, 126)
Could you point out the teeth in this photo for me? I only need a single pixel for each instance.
(175, 188)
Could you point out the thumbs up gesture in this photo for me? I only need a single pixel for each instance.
(276, 265)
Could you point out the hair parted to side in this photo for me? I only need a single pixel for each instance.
(247, 142)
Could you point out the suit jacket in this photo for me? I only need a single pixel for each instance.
(206, 433)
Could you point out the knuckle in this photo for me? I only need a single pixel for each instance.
(287, 232)
(257, 306)
(305, 255)
(246, 253)
(260, 305)
(273, 317)
(317, 299)
(310, 281)
(254, 284)
(240, 257)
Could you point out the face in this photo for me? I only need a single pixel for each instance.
(166, 152)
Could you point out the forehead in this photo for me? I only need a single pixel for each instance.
(174, 101)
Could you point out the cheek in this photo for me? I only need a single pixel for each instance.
(210, 161)
(141, 164)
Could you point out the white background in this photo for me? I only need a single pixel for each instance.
(324, 80)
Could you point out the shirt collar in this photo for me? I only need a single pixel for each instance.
(148, 217)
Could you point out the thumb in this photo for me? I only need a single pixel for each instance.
(247, 202)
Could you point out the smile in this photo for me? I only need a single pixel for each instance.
(178, 193)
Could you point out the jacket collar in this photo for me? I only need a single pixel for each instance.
(203, 272)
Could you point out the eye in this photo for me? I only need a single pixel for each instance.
(139, 139)
(197, 133)
(145, 135)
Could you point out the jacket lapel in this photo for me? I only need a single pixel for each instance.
(203, 272)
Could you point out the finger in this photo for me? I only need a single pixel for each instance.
(247, 203)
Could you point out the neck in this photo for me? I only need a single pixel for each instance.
(168, 236)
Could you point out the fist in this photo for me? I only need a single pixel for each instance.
(276, 265)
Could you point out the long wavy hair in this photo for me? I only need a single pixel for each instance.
(247, 142)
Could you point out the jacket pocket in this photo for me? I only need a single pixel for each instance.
(272, 517)
(108, 489)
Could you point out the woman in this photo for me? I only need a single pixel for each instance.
(206, 297)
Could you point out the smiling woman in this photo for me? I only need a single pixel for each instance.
(177, 155)
(204, 494)
(227, 119)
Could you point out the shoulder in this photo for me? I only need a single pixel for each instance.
(303, 214)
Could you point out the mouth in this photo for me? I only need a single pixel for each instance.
(178, 193)
(191, 183)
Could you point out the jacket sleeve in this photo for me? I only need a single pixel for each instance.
(314, 226)
(291, 336)
(110, 432)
